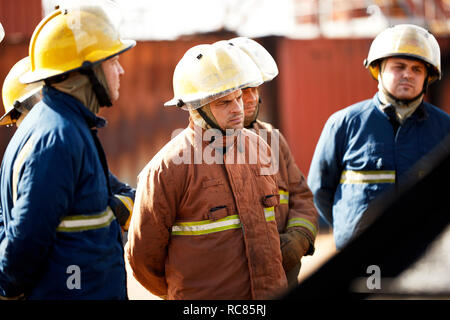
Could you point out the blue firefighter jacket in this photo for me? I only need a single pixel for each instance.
(58, 237)
(358, 157)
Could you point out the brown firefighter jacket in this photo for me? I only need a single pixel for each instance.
(296, 209)
(202, 229)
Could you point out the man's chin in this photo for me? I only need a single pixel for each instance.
(235, 127)
(250, 118)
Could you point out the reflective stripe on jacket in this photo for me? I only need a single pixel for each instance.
(125, 195)
(59, 239)
(358, 157)
(205, 231)
(296, 209)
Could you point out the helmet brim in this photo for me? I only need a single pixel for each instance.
(43, 74)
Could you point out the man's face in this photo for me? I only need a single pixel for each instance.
(250, 97)
(229, 111)
(113, 70)
(404, 78)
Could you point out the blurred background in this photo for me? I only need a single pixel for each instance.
(319, 46)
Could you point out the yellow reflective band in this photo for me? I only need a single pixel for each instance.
(284, 196)
(210, 226)
(376, 176)
(18, 163)
(301, 222)
(206, 226)
(269, 213)
(86, 222)
(128, 202)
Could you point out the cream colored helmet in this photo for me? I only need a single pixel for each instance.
(16, 95)
(405, 40)
(259, 55)
(208, 72)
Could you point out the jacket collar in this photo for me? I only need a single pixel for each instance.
(218, 141)
(420, 114)
(51, 95)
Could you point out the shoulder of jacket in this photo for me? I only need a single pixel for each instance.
(265, 125)
(436, 112)
(53, 128)
(168, 155)
(350, 113)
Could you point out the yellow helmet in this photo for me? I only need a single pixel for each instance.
(208, 72)
(259, 55)
(406, 40)
(16, 95)
(69, 39)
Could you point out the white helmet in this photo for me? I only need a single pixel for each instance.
(405, 40)
(208, 72)
(259, 55)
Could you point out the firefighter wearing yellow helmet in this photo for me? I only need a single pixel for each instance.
(60, 238)
(206, 229)
(367, 148)
(297, 217)
(18, 98)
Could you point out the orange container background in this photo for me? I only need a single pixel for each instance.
(317, 77)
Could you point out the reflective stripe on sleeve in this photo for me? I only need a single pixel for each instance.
(301, 222)
(18, 163)
(129, 203)
(376, 176)
(284, 196)
(86, 222)
(210, 226)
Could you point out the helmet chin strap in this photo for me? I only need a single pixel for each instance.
(99, 90)
(209, 121)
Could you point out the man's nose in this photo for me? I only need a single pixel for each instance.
(237, 106)
(408, 73)
(121, 70)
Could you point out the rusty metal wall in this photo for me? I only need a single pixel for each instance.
(320, 76)
(19, 18)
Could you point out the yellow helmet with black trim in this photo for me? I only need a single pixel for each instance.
(16, 95)
(68, 38)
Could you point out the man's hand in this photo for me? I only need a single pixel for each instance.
(294, 246)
